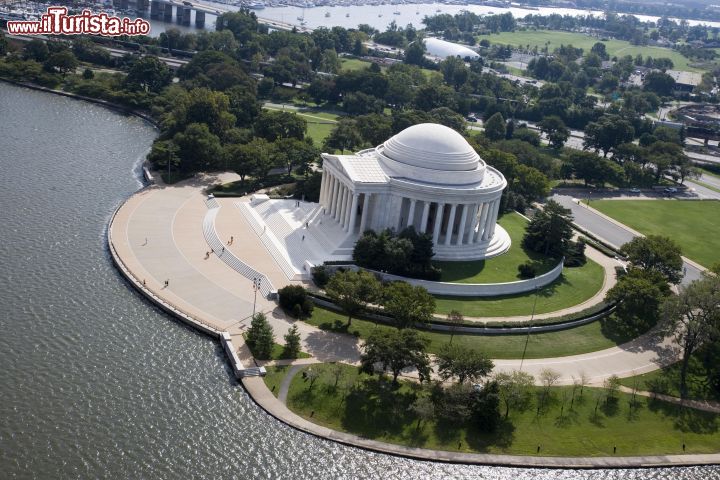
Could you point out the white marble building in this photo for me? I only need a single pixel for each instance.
(427, 176)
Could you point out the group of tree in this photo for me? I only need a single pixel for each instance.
(354, 291)
(550, 233)
(407, 253)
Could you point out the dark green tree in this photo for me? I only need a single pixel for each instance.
(555, 130)
(408, 304)
(463, 363)
(260, 337)
(292, 343)
(394, 351)
(353, 291)
(549, 232)
(495, 127)
(655, 253)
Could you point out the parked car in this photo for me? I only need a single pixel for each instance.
(634, 190)
(670, 190)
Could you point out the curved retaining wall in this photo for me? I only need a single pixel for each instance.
(471, 289)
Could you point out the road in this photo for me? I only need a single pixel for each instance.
(609, 231)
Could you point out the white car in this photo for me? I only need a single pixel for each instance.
(634, 190)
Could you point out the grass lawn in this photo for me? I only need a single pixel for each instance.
(574, 286)
(692, 224)
(503, 268)
(373, 408)
(274, 377)
(667, 381)
(319, 123)
(614, 47)
(349, 64)
(319, 132)
(588, 338)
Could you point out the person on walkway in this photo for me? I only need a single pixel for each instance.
(167, 282)
(207, 255)
(223, 251)
(303, 239)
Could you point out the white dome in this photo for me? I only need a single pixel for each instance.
(444, 49)
(432, 146)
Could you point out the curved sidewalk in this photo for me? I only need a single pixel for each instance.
(157, 233)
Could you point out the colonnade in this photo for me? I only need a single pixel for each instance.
(461, 223)
(342, 203)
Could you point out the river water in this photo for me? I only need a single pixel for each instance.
(97, 383)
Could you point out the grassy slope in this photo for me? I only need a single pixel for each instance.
(502, 268)
(579, 40)
(588, 338)
(692, 224)
(574, 286)
(365, 406)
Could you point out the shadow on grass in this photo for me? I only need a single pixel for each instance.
(339, 326)
(688, 420)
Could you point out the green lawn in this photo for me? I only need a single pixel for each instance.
(588, 338)
(693, 225)
(349, 64)
(574, 286)
(591, 426)
(278, 353)
(503, 268)
(319, 132)
(667, 381)
(274, 377)
(614, 47)
(319, 123)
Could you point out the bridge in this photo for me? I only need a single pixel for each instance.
(183, 12)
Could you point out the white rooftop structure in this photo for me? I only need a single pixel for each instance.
(427, 177)
(443, 49)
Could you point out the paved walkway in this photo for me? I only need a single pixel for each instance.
(285, 385)
(158, 235)
(704, 405)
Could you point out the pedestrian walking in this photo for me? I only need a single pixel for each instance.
(223, 251)
(303, 239)
(307, 224)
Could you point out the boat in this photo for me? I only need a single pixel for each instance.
(379, 14)
(396, 12)
(347, 15)
(417, 12)
(327, 14)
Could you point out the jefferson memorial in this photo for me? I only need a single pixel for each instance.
(426, 176)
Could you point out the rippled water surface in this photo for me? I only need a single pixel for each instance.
(96, 383)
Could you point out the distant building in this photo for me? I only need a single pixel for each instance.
(685, 81)
(442, 49)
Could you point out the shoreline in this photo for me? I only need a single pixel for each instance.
(262, 397)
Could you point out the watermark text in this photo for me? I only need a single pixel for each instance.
(57, 22)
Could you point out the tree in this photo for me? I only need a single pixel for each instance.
(273, 125)
(607, 133)
(463, 363)
(344, 136)
(549, 232)
(291, 152)
(495, 127)
(455, 319)
(659, 82)
(149, 74)
(292, 342)
(408, 304)
(396, 350)
(693, 318)
(294, 300)
(353, 291)
(260, 337)
(63, 61)
(424, 408)
(198, 148)
(600, 50)
(37, 50)
(655, 253)
(548, 378)
(593, 169)
(415, 53)
(555, 130)
(638, 296)
(515, 389)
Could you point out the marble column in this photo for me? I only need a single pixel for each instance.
(323, 186)
(451, 224)
(438, 222)
(342, 207)
(334, 199)
(476, 210)
(353, 213)
(488, 221)
(365, 213)
(494, 218)
(348, 201)
(399, 221)
(424, 220)
(411, 213)
(483, 221)
(463, 220)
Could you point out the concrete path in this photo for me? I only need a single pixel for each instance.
(285, 385)
(704, 405)
(159, 235)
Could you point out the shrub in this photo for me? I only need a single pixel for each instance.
(527, 270)
(320, 275)
(575, 254)
(293, 299)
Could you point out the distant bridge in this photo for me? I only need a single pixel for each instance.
(183, 11)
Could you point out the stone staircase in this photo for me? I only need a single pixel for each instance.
(252, 372)
(213, 240)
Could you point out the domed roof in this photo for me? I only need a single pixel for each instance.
(432, 146)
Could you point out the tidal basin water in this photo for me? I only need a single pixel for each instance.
(97, 383)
